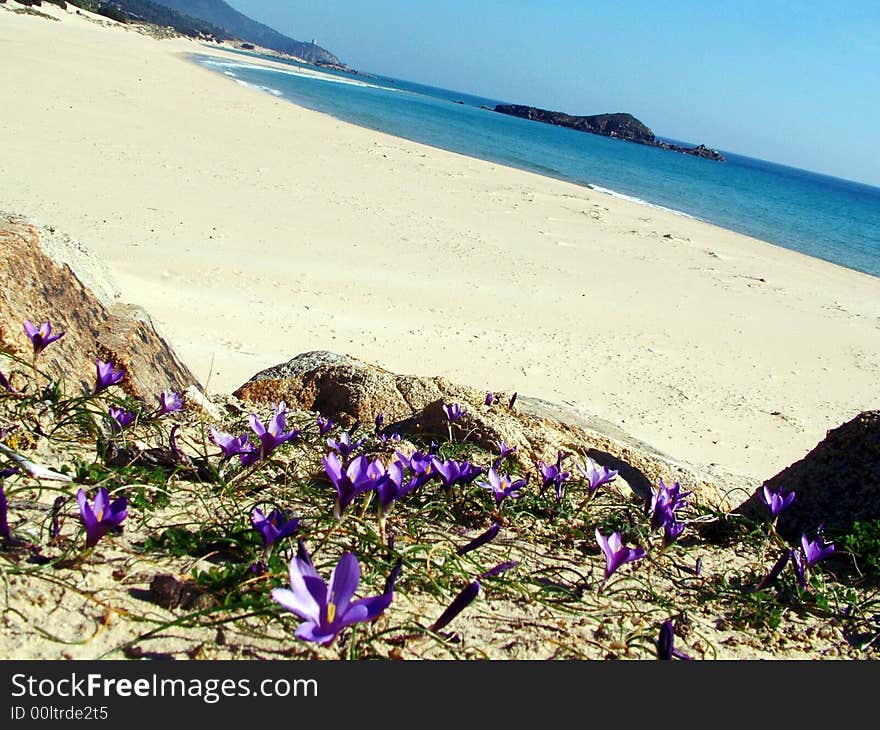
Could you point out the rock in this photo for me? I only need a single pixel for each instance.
(169, 592)
(34, 286)
(348, 390)
(837, 483)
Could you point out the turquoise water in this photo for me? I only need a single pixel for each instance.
(825, 217)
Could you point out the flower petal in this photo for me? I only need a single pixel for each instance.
(344, 581)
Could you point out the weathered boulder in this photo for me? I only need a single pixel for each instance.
(347, 390)
(38, 283)
(837, 483)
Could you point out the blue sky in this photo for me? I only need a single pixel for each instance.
(793, 82)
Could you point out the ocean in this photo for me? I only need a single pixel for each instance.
(824, 217)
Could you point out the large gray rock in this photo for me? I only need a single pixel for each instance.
(348, 390)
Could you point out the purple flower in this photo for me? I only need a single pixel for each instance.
(4, 516)
(169, 402)
(552, 475)
(42, 337)
(666, 643)
(349, 482)
(776, 501)
(107, 375)
(480, 540)
(101, 517)
(327, 610)
(449, 472)
(231, 445)
(393, 437)
(816, 550)
(503, 486)
(665, 501)
(778, 567)
(271, 436)
(380, 419)
(459, 603)
(503, 449)
(420, 465)
(325, 425)
(595, 474)
(4, 383)
(389, 483)
(121, 418)
(672, 531)
(453, 411)
(345, 446)
(499, 569)
(273, 527)
(490, 398)
(615, 553)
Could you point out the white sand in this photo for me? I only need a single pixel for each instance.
(253, 230)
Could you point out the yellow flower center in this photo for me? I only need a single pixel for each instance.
(100, 516)
(331, 612)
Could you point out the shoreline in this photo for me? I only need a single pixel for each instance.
(252, 230)
(838, 252)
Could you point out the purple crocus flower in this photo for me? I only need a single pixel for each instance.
(380, 419)
(231, 445)
(776, 501)
(665, 501)
(273, 527)
(4, 383)
(672, 531)
(666, 643)
(464, 599)
(420, 465)
(595, 475)
(503, 486)
(4, 514)
(349, 481)
(490, 398)
(107, 375)
(390, 438)
(449, 472)
(327, 610)
(816, 550)
(390, 483)
(344, 446)
(102, 516)
(503, 449)
(42, 337)
(120, 418)
(480, 540)
(169, 402)
(453, 411)
(552, 475)
(325, 425)
(271, 436)
(616, 554)
(499, 569)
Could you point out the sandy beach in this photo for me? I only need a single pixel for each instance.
(253, 230)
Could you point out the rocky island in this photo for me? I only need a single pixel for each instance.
(621, 126)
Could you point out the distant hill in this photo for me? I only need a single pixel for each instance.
(240, 26)
(150, 12)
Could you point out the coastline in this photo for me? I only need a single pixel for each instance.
(252, 230)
